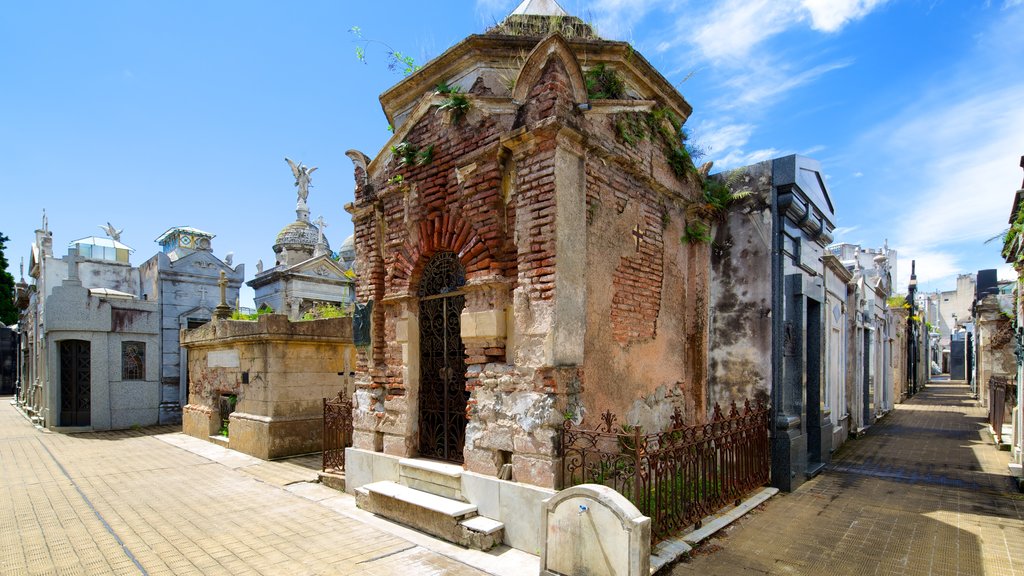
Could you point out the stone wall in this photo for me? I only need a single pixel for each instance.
(278, 371)
(740, 359)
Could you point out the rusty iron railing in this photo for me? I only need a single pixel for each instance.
(1002, 393)
(337, 431)
(676, 477)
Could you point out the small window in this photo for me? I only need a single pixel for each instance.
(133, 360)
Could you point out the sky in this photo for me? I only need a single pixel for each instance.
(181, 112)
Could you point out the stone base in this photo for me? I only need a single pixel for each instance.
(448, 519)
(269, 438)
(332, 480)
(199, 421)
(516, 505)
(789, 459)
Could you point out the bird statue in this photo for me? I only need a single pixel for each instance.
(114, 233)
(229, 257)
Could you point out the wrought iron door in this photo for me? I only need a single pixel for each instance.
(75, 383)
(443, 395)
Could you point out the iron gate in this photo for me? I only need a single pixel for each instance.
(75, 383)
(443, 395)
(337, 431)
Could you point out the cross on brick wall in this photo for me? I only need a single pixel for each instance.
(638, 235)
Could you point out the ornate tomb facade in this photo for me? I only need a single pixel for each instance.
(518, 242)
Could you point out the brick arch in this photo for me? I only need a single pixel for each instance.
(553, 47)
(440, 232)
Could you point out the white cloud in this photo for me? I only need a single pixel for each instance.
(968, 153)
(767, 83)
(717, 137)
(843, 231)
(831, 15)
(736, 26)
(858, 174)
(616, 18)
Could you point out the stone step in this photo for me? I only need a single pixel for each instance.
(431, 476)
(451, 520)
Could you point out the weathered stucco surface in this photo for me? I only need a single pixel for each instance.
(278, 370)
(740, 359)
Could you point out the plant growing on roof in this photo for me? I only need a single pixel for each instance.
(604, 83)
(396, 60)
(455, 102)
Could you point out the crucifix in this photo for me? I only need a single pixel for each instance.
(321, 224)
(638, 235)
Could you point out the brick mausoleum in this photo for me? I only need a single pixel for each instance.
(521, 239)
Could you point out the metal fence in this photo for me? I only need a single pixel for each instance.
(337, 431)
(1002, 393)
(676, 477)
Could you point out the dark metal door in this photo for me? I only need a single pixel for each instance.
(75, 383)
(443, 395)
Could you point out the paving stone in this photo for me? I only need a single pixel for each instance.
(137, 501)
(923, 492)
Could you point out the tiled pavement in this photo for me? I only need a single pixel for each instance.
(923, 492)
(135, 502)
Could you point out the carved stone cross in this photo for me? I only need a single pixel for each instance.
(202, 294)
(321, 224)
(638, 235)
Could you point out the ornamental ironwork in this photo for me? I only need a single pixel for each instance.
(443, 396)
(337, 431)
(676, 477)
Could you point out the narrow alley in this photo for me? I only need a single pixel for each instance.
(923, 492)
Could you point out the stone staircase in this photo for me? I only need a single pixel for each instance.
(428, 497)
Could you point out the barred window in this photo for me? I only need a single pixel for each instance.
(133, 360)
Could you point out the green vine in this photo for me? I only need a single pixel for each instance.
(661, 124)
(396, 60)
(408, 154)
(456, 103)
(697, 233)
(1012, 238)
(604, 83)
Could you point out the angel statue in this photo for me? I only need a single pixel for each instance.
(302, 176)
(114, 233)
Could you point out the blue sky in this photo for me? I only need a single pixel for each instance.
(164, 113)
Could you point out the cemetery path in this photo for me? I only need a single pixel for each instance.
(140, 502)
(925, 492)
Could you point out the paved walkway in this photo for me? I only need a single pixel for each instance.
(924, 492)
(155, 501)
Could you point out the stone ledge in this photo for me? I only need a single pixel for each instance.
(420, 499)
(667, 551)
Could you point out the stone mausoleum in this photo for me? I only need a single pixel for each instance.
(305, 272)
(768, 307)
(519, 249)
(183, 278)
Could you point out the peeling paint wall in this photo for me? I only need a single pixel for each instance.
(740, 358)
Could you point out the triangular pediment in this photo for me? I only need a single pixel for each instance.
(320, 266)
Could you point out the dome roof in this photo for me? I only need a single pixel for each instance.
(348, 248)
(299, 232)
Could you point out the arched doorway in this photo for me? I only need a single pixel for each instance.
(75, 383)
(443, 396)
